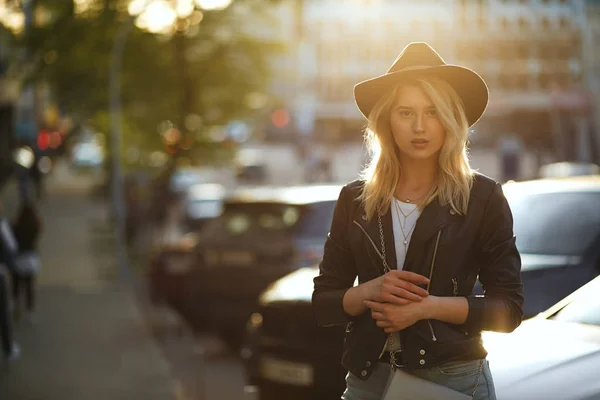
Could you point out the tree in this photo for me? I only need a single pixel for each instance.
(201, 74)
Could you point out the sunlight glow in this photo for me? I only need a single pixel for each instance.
(213, 4)
(136, 7)
(82, 6)
(12, 18)
(158, 17)
(184, 8)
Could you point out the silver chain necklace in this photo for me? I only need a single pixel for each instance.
(399, 208)
(406, 236)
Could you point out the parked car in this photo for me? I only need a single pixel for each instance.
(557, 228)
(202, 202)
(168, 276)
(284, 353)
(557, 225)
(565, 169)
(552, 356)
(263, 234)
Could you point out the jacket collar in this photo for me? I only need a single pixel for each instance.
(433, 218)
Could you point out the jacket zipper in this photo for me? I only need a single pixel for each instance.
(370, 240)
(380, 256)
(455, 287)
(437, 242)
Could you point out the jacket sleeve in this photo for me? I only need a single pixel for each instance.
(337, 270)
(500, 309)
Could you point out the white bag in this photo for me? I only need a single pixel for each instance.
(28, 263)
(404, 386)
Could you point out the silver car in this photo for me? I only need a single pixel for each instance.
(555, 355)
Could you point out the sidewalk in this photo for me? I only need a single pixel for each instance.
(88, 339)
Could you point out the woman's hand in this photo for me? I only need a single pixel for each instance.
(393, 317)
(396, 287)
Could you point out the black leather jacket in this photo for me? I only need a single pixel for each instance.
(452, 249)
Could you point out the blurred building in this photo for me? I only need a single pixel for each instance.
(534, 54)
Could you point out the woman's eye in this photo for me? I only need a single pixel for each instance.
(405, 113)
(431, 113)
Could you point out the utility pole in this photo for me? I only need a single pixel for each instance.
(115, 139)
(591, 82)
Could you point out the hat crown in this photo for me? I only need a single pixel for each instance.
(416, 54)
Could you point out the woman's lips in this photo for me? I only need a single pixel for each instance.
(419, 143)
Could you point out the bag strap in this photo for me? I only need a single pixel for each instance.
(387, 269)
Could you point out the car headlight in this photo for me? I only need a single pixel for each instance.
(255, 321)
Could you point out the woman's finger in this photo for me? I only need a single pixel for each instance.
(400, 284)
(397, 292)
(374, 305)
(409, 276)
(390, 298)
(377, 315)
(383, 324)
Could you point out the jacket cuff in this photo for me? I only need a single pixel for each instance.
(329, 309)
(475, 316)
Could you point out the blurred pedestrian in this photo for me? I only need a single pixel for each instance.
(37, 176)
(171, 231)
(27, 229)
(133, 210)
(417, 230)
(8, 252)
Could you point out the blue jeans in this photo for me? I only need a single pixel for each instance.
(460, 376)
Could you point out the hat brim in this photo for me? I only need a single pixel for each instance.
(469, 86)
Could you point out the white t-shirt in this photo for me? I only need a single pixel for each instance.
(404, 217)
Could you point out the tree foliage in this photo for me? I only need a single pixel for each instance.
(202, 73)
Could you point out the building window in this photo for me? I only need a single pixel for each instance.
(562, 80)
(544, 81)
(522, 82)
(546, 51)
(545, 24)
(522, 51)
(506, 81)
(523, 24)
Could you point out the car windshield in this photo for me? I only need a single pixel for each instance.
(585, 306)
(205, 208)
(564, 223)
(255, 218)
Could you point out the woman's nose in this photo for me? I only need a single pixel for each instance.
(418, 125)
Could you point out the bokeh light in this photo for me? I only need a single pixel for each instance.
(213, 4)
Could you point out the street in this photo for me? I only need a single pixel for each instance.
(90, 337)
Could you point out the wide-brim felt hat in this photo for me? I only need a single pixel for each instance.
(420, 59)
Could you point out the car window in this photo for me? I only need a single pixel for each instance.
(585, 306)
(312, 220)
(317, 220)
(203, 208)
(555, 223)
(253, 218)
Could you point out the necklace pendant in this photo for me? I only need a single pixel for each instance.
(408, 200)
(405, 242)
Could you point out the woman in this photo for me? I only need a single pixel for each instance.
(27, 229)
(417, 230)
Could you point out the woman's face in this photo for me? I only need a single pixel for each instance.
(417, 131)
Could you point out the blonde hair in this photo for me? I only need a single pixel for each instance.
(382, 173)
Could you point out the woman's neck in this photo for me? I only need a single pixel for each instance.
(417, 175)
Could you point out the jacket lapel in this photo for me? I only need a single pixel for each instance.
(433, 218)
(374, 239)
